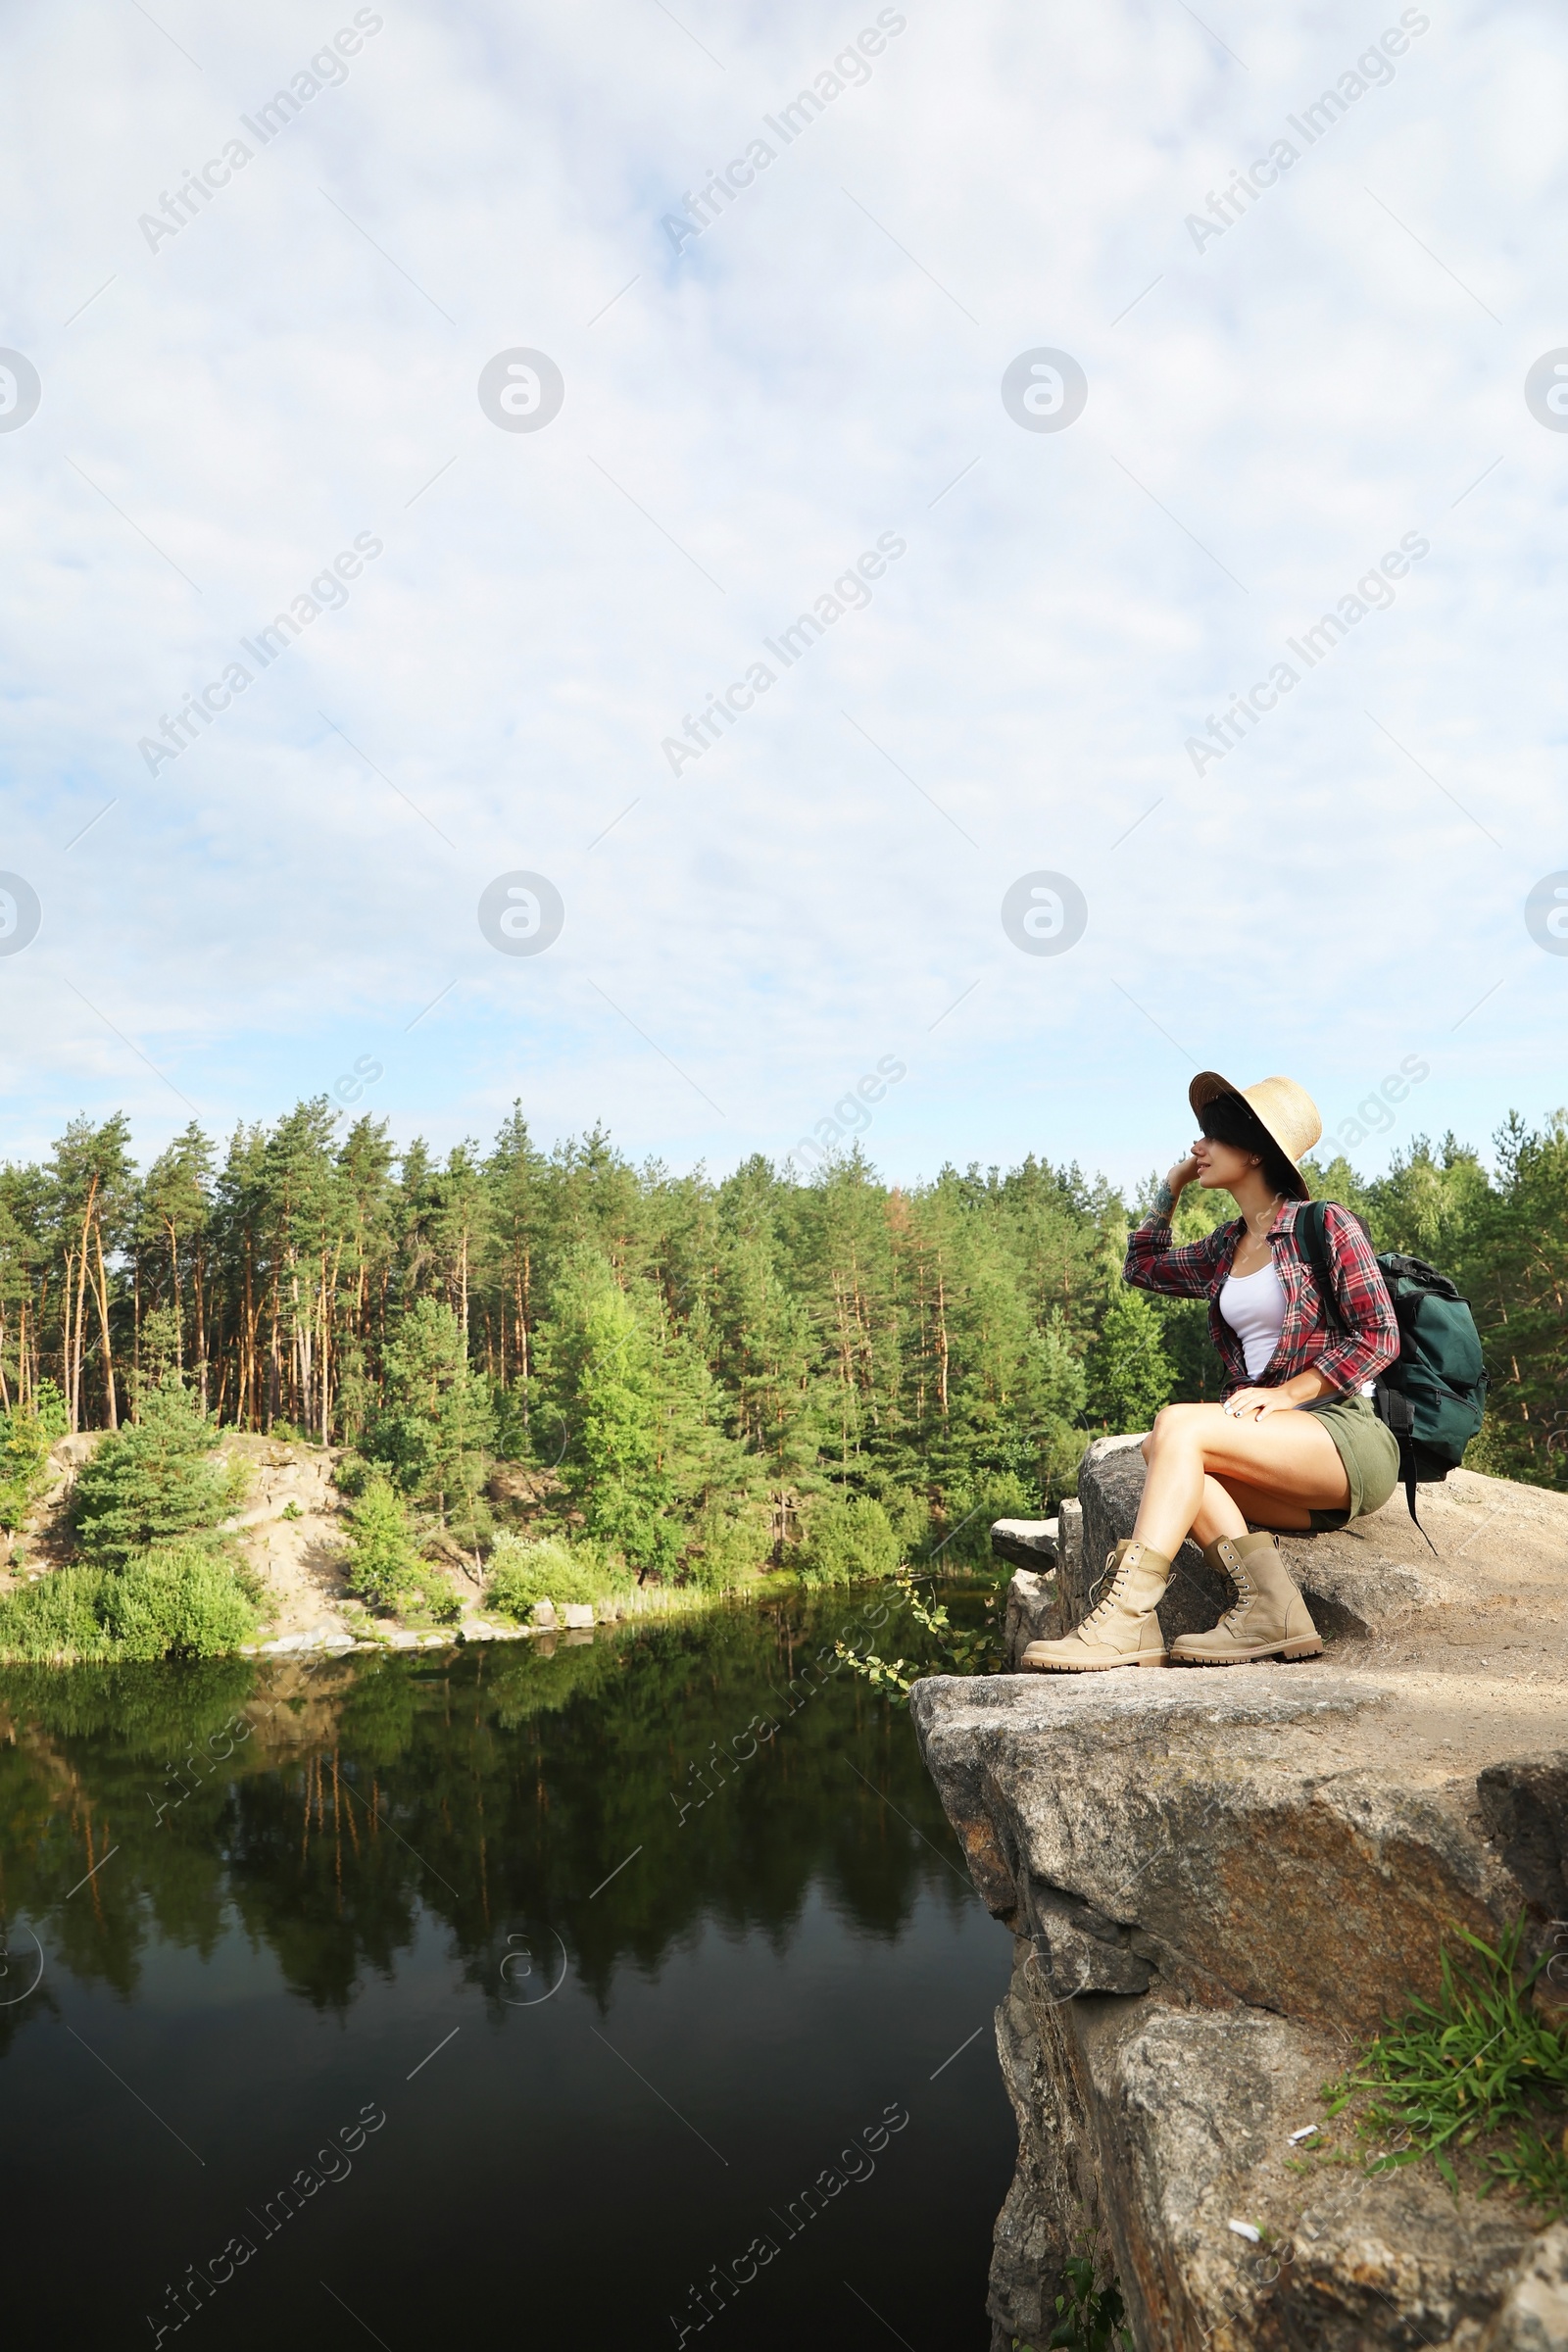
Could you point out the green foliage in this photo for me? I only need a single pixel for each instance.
(352, 1473)
(598, 1378)
(523, 1574)
(158, 1350)
(428, 1597)
(27, 1433)
(952, 1652)
(1130, 1374)
(729, 1550)
(673, 1359)
(179, 1600)
(847, 1536)
(633, 1412)
(383, 1557)
(53, 1418)
(57, 1617)
(961, 1534)
(909, 1514)
(1089, 2317)
(1479, 2058)
(154, 1481)
(432, 1430)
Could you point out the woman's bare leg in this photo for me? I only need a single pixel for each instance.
(1224, 1509)
(1219, 1514)
(1196, 1453)
(1262, 1509)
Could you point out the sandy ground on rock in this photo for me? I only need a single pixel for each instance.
(298, 1559)
(1479, 1668)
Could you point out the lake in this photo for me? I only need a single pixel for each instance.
(626, 1995)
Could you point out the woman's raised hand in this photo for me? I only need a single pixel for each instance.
(1181, 1174)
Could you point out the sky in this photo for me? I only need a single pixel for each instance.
(1064, 367)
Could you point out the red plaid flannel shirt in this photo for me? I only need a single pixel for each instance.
(1347, 1359)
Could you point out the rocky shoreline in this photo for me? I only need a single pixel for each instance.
(291, 1536)
(1222, 1883)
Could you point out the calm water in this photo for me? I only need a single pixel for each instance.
(378, 1952)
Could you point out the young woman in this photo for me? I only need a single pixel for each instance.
(1296, 1442)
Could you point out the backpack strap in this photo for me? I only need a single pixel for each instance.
(1312, 1245)
(1392, 1406)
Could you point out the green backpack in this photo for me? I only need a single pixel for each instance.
(1434, 1396)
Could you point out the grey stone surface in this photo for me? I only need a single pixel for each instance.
(1535, 2315)
(1145, 2130)
(1070, 1534)
(1025, 1543)
(1524, 1804)
(1220, 1883)
(1032, 1614)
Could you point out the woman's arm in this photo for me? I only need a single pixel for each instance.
(1154, 1262)
(1304, 1388)
(1370, 1338)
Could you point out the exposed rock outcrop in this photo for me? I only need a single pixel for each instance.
(1026, 1543)
(1221, 1881)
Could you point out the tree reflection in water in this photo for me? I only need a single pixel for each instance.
(579, 1824)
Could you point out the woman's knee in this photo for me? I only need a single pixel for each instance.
(1172, 1424)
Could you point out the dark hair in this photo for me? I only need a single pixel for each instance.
(1230, 1119)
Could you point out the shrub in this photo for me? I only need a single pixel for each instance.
(428, 1593)
(27, 1433)
(523, 1574)
(731, 1547)
(1089, 2317)
(351, 1473)
(383, 1561)
(180, 1600)
(154, 1482)
(57, 1616)
(846, 1536)
(962, 1538)
(910, 1515)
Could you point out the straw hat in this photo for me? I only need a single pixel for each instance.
(1285, 1110)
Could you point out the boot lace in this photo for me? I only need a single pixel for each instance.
(1108, 1601)
(1245, 1594)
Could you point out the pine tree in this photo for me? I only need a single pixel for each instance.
(1130, 1375)
(435, 1424)
(383, 1559)
(157, 1480)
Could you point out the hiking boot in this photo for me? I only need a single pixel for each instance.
(1270, 1619)
(1121, 1629)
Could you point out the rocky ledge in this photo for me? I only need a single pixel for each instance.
(1221, 1882)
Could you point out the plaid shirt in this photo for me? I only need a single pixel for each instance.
(1347, 1359)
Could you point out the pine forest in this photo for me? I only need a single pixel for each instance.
(689, 1368)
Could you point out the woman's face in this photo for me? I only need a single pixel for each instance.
(1220, 1167)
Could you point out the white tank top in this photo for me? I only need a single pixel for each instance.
(1253, 1306)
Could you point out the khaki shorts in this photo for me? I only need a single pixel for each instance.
(1369, 1450)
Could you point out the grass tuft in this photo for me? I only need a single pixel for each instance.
(1479, 2059)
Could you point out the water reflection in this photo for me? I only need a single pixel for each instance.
(683, 1843)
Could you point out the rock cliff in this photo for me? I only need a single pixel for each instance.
(1221, 1882)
